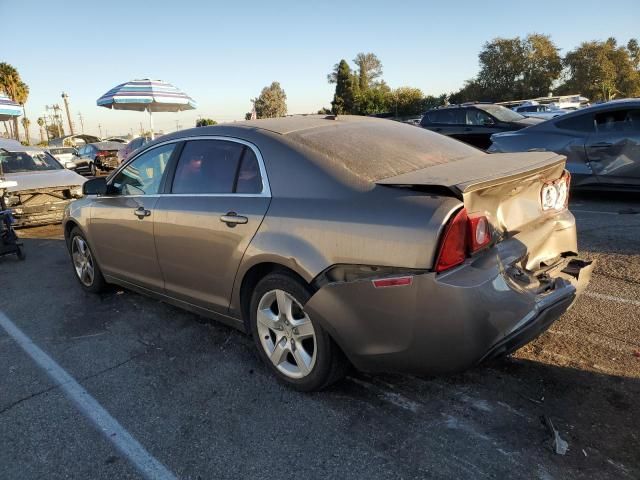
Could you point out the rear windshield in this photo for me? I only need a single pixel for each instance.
(501, 113)
(15, 162)
(377, 149)
(58, 151)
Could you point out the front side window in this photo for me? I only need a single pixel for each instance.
(210, 166)
(143, 175)
(478, 117)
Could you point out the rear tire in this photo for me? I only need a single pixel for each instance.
(85, 267)
(294, 346)
(93, 171)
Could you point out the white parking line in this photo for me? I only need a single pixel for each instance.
(146, 464)
(602, 296)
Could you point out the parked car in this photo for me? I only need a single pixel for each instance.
(94, 157)
(338, 238)
(601, 143)
(131, 147)
(537, 110)
(44, 187)
(64, 155)
(474, 123)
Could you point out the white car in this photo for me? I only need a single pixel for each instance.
(64, 155)
(537, 110)
(44, 187)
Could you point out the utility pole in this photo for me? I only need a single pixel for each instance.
(141, 130)
(46, 127)
(57, 118)
(65, 98)
(100, 128)
(81, 121)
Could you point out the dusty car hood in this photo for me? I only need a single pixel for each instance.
(475, 172)
(45, 179)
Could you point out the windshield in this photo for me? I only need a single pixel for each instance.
(15, 162)
(501, 113)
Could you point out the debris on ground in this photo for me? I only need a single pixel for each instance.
(560, 446)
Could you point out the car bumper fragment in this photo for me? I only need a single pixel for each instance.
(447, 322)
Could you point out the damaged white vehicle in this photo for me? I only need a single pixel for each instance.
(44, 186)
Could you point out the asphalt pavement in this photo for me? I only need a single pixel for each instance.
(193, 395)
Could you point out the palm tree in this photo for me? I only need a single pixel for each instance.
(14, 87)
(40, 123)
(25, 124)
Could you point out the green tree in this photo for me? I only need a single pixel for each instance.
(25, 125)
(205, 122)
(369, 70)
(40, 123)
(513, 68)
(601, 71)
(272, 102)
(542, 66)
(14, 87)
(634, 52)
(405, 101)
(373, 100)
(343, 99)
(53, 130)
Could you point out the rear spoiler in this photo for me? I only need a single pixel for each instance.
(479, 171)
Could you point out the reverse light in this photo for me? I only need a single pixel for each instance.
(479, 233)
(555, 194)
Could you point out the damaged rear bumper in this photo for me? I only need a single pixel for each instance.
(448, 322)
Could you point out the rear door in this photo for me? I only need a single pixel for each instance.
(613, 149)
(213, 207)
(122, 221)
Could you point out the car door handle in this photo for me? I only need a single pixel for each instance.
(232, 219)
(601, 145)
(141, 212)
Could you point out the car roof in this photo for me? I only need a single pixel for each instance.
(365, 147)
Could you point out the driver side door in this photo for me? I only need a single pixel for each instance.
(121, 224)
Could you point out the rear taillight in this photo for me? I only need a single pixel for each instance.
(453, 249)
(463, 236)
(555, 195)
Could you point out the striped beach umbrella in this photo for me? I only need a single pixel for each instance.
(147, 95)
(8, 108)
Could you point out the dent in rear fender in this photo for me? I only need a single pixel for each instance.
(439, 323)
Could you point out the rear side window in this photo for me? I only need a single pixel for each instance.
(447, 116)
(618, 121)
(579, 123)
(208, 166)
(249, 180)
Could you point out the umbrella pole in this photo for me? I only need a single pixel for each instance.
(151, 123)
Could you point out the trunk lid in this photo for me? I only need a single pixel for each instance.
(506, 188)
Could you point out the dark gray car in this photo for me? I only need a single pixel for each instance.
(331, 239)
(601, 143)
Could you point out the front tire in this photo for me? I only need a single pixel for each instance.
(293, 345)
(86, 268)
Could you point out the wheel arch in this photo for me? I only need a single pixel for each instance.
(253, 275)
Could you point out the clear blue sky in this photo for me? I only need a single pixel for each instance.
(223, 53)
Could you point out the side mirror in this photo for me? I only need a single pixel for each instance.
(95, 186)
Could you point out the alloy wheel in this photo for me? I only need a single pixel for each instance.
(286, 334)
(82, 261)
